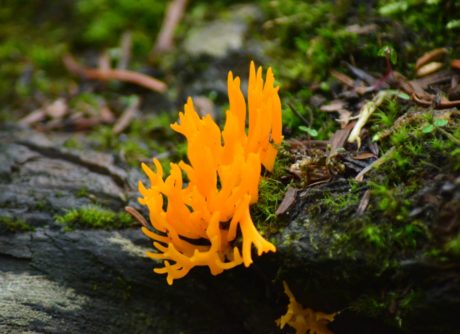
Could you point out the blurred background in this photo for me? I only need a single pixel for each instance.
(190, 49)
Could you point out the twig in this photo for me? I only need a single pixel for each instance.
(441, 105)
(137, 215)
(125, 118)
(363, 203)
(374, 164)
(448, 135)
(303, 119)
(173, 15)
(112, 74)
(125, 49)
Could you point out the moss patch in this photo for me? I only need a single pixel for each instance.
(94, 217)
(12, 225)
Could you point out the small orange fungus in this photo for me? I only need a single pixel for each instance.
(197, 221)
(304, 320)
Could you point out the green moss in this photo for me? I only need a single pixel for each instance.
(337, 203)
(83, 192)
(392, 306)
(271, 192)
(94, 217)
(12, 225)
(428, 18)
(453, 246)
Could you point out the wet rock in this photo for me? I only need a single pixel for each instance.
(217, 38)
(101, 281)
(39, 179)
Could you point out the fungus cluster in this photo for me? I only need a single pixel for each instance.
(202, 206)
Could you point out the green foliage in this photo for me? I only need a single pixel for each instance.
(311, 132)
(388, 52)
(297, 113)
(434, 19)
(319, 39)
(94, 217)
(105, 21)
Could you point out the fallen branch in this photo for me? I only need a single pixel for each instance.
(112, 74)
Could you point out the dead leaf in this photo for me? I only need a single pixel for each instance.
(429, 68)
(57, 109)
(362, 30)
(339, 138)
(430, 56)
(364, 202)
(455, 64)
(361, 74)
(334, 106)
(288, 200)
(344, 117)
(34, 117)
(343, 78)
(363, 156)
(374, 148)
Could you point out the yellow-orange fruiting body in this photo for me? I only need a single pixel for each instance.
(304, 320)
(200, 219)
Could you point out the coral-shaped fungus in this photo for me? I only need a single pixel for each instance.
(197, 220)
(304, 320)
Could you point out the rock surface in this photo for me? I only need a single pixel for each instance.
(93, 281)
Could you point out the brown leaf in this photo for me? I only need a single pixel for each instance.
(339, 138)
(334, 106)
(288, 200)
(343, 78)
(429, 68)
(35, 116)
(344, 117)
(57, 109)
(430, 56)
(364, 156)
(455, 64)
(374, 148)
